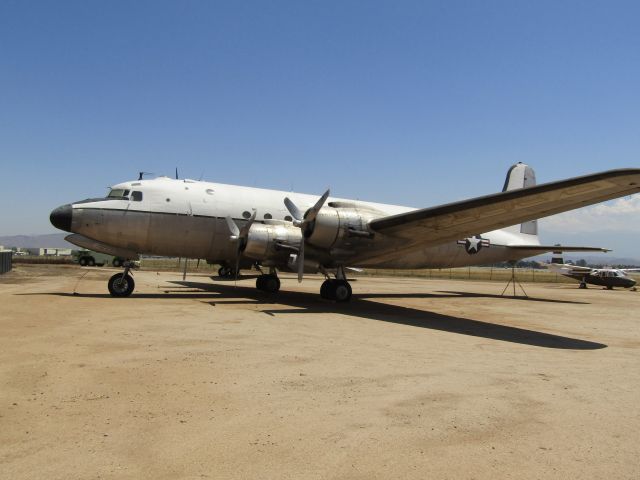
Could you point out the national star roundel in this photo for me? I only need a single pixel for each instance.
(474, 244)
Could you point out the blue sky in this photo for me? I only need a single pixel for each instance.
(415, 103)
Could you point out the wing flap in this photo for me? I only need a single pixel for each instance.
(431, 226)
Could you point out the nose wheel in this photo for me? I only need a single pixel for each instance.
(122, 284)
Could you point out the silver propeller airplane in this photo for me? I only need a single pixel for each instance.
(240, 227)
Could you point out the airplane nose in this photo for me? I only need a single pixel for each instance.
(61, 217)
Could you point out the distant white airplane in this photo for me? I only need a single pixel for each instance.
(240, 227)
(605, 277)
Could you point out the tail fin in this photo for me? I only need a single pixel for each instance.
(521, 175)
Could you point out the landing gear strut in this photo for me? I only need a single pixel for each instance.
(337, 289)
(122, 284)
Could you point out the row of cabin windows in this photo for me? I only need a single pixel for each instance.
(267, 216)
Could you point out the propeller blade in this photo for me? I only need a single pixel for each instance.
(293, 210)
(244, 231)
(313, 211)
(233, 228)
(240, 235)
(237, 267)
(302, 220)
(301, 261)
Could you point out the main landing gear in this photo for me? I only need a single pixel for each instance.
(122, 284)
(226, 272)
(269, 283)
(337, 289)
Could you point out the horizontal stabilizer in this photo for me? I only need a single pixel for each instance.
(557, 248)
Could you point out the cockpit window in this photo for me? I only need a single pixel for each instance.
(118, 193)
(136, 196)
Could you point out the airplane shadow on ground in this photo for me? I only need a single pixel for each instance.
(360, 306)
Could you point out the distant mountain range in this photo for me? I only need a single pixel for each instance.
(53, 240)
(56, 240)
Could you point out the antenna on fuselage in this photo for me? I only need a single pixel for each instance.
(176, 173)
(142, 174)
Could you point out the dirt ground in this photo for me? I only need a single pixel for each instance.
(413, 379)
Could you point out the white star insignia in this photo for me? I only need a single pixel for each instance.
(473, 244)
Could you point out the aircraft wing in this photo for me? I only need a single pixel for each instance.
(431, 226)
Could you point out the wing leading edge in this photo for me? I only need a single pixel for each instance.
(444, 223)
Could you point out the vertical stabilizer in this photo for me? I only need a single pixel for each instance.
(521, 175)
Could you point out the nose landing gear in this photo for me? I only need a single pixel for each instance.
(122, 284)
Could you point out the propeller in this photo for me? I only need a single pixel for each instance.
(240, 235)
(305, 222)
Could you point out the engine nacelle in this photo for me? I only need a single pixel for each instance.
(340, 224)
(271, 241)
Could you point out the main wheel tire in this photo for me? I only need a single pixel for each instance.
(325, 289)
(583, 285)
(341, 291)
(91, 262)
(338, 290)
(271, 284)
(268, 283)
(116, 262)
(83, 261)
(121, 287)
(226, 272)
